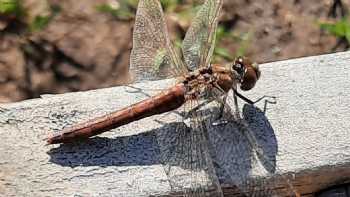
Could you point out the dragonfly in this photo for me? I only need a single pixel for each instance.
(188, 163)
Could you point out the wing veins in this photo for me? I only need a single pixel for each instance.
(152, 45)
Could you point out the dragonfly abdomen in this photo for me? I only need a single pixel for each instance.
(166, 101)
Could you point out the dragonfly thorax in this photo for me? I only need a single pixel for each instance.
(200, 82)
(222, 77)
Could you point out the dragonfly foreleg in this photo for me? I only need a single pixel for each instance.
(258, 100)
(247, 100)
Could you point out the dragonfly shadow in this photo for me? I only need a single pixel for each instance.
(262, 131)
(140, 149)
(136, 150)
(236, 144)
(229, 147)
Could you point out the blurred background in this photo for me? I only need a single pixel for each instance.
(53, 46)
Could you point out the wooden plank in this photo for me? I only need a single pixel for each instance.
(309, 138)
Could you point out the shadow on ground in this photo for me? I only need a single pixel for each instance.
(229, 147)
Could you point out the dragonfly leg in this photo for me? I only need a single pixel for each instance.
(219, 120)
(247, 100)
(198, 107)
(236, 113)
(222, 107)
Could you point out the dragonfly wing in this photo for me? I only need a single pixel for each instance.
(199, 42)
(249, 160)
(187, 161)
(153, 56)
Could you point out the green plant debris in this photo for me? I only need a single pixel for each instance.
(14, 9)
(223, 52)
(11, 7)
(184, 14)
(122, 10)
(41, 21)
(340, 28)
(244, 44)
(224, 35)
(170, 5)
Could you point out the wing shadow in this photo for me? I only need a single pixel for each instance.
(232, 151)
(264, 134)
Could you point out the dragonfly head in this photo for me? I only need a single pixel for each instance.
(247, 72)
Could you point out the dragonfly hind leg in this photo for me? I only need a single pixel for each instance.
(193, 110)
(222, 108)
(225, 113)
(223, 105)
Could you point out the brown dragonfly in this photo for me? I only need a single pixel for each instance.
(188, 164)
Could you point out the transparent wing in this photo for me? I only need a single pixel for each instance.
(186, 158)
(248, 156)
(199, 42)
(153, 56)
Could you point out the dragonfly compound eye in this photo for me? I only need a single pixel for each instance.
(239, 67)
(251, 76)
(256, 69)
(248, 72)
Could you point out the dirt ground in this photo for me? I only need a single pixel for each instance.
(84, 49)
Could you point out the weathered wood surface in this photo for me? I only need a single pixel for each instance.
(310, 124)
